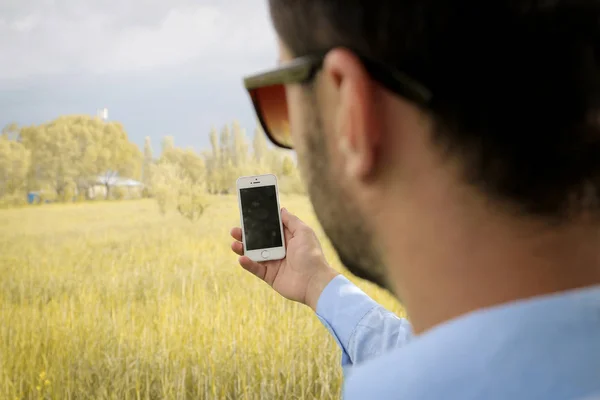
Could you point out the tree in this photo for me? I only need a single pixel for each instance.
(214, 142)
(11, 131)
(168, 143)
(273, 161)
(221, 172)
(224, 145)
(75, 151)
(179, 182)
(72, 154)
(212, 162)
(287, 167)
(290, 182)
(167, 181)
(147, 166)
(239, 148)
(118, 156)
(14, 166)
(227, 177)
(54, 152)
(259, 145)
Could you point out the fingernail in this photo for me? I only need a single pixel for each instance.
(284, 209)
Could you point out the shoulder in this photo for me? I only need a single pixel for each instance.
(514, 352)
(426, 368)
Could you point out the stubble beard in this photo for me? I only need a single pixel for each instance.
(335, 209)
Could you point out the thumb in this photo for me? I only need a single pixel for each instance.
(290, 221)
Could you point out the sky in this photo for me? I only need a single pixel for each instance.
(160, 67)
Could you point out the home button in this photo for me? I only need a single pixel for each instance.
(265, 254)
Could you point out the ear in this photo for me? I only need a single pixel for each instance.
(356, 123)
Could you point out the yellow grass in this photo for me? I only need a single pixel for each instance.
(111, 300)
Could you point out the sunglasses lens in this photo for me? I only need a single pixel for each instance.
(271, 105)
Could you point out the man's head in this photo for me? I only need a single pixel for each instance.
(513, 120)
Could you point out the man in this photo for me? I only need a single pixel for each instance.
(452, 154)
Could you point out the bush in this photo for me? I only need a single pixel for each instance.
(68, 194)
(147, 193)
(174, 191)
(119, 193)
(291, 185)
(80, 197)
(13, 200)
(47, 196)
(191, 202)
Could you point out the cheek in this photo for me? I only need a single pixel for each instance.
(303, 130)
(295, 113)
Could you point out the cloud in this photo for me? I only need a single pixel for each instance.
(49, 37)
(26, 23)
(159, 66)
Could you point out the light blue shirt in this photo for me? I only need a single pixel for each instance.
(544, 348)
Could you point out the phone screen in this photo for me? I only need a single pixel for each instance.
(261, 218)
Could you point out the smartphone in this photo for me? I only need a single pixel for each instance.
(262, 230)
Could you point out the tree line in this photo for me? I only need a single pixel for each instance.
(69, 158)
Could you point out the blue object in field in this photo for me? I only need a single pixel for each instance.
(33, 197)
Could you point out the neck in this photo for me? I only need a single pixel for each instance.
(463, 257)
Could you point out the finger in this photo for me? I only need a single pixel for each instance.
(236, 233)
(255, 268)
(290, 221)
(238, 248)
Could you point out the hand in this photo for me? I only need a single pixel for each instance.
(303, 274)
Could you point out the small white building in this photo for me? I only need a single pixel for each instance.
(132, 189)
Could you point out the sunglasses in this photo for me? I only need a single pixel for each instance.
(267, 91)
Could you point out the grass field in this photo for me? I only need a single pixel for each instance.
(112, 300)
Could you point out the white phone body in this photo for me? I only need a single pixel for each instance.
(260, 217)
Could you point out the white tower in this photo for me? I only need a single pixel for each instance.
(103, 114)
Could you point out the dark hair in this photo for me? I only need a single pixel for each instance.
(516, 84)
